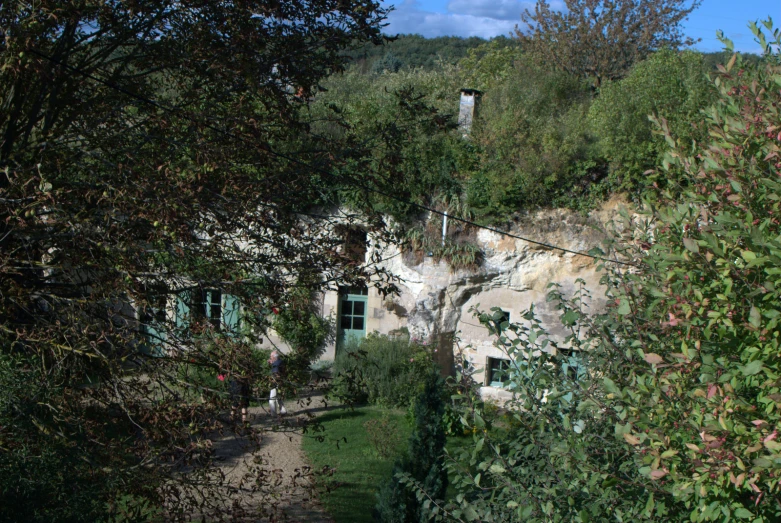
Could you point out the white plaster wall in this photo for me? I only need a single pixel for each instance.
(436, 302)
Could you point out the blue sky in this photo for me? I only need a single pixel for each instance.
(487, 18)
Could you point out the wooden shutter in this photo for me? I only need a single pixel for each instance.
(230, 314)
(182, 311)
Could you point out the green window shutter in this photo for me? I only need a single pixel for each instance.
(183, 309)
(230, 314)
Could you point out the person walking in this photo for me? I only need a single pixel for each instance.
(239, 389)
(277, 363)
(239, 372)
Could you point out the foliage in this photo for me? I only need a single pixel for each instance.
(389, 63)
(152, 153)
(384, 435)
(535, 146)
(300, 324)
(490, 64)
(560, 459)
(696, 324)
(713, 60)
(413, 112)
(349, 470)
(34, 462)
(418, 52)
(603, 39)
(664, 407)
(668, 85)
(422, 466)
(384, 371)
(541, 136)
(459, 253)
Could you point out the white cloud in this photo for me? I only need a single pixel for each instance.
(409, 18)
(483, 18)
(497, 9)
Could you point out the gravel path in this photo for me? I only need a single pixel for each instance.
(277, 481)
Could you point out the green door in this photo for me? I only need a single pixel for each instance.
(353, 303)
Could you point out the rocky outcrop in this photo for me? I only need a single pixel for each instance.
(514, 276)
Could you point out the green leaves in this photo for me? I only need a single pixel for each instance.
(691, 245)
(623, 307)
(755, 367)
(755, 318)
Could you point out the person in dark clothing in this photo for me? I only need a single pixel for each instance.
(239, 389)
(240, 378)
(277, 363)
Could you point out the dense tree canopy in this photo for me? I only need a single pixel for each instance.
(414, 51)
(666, 406)
(157, 169)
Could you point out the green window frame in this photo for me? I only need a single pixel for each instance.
(496, 371)
(152, 324)
(353, 314)
(218, 308)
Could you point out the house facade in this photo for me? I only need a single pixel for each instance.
(437, 304)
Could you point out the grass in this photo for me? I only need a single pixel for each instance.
(358, 470)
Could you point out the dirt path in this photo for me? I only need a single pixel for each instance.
(277, 482)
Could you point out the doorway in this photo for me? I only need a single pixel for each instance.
(353, 305)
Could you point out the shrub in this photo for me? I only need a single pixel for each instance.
(422, 467)
(667, 406)
(382, 371)
(668, 85)
(383, 435)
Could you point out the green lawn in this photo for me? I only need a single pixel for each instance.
(358, 471)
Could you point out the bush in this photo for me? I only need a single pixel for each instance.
(382, 371)
(535, 147)
(664, 407)
(668, 85)
(423, 466)
(45, 478)
(383, 435)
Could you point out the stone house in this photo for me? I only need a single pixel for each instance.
(436, 303)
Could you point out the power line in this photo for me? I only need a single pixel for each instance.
(267, 149)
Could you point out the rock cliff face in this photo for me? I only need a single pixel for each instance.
(437, 305)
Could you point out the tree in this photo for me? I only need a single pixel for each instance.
(423, 467)
(536, 148)
(666, 406)
(668, 85)
(602, 39)
(154, 157)
(389, 62)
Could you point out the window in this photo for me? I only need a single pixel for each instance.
(219, 309)
(496, 371)
(354, 246)
(152, 321)
(206, 305)
(571, 364)
(353, 314)
(353, 306)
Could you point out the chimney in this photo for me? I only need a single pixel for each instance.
(470, 98)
